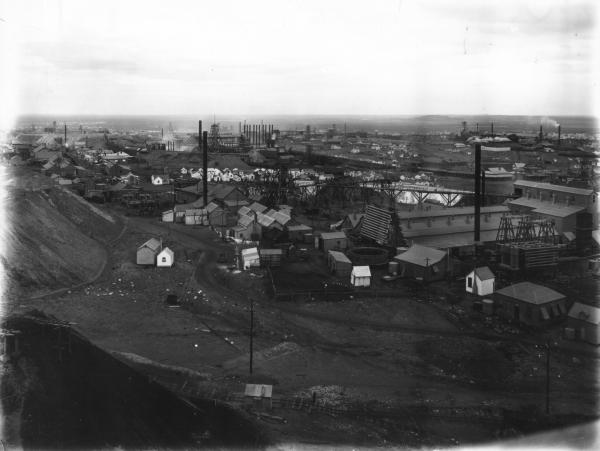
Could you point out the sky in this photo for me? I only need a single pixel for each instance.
(299, 57)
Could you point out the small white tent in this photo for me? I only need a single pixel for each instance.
(360, 276)
(165, 258)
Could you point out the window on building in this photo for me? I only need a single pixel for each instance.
(470, 282)
(164, 259)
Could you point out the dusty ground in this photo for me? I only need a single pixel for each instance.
(376, 350)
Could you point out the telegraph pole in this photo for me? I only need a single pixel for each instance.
(251, 332)
(547, 378)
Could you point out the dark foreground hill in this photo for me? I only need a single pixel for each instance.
(59, 391)
(52, 239)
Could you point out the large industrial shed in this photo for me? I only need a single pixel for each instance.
(147, 252)
(529, 303)
(423, 263)
(585, 321)
(338, 263)
(333, 241)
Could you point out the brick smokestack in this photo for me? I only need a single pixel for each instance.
(205, 168)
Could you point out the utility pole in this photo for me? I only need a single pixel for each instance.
(251, 332)
(547, 378)
(425, 277)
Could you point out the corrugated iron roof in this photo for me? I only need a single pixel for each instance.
(484, 273)
(333, 236)
(531, 293)
(421, 255)
(257, 207)
(339, 257)
(452, 211)
(551, 187)
(560, 210)
(152, 244)
(361, 271)
(264, 220)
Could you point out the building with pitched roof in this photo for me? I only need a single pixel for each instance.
(147, 252)
(423, 263)
(530, 304)
(585, 321)
(481, 281)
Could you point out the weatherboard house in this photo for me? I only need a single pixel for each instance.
(147, 252)
(530, 304)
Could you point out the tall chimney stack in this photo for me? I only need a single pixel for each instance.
(492, 129)
(559, 134)
(476, 237)
(65, 134)
(200, 136)
(205, 168)
(541, 133)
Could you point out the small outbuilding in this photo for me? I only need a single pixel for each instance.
(529, 303)
(360, 276)
(147, 252)
(333, 241)
(250, 258)
(338, 263)
(481, 281)
(270, 257)
(423, 263)
(585, 321)
(165, 258)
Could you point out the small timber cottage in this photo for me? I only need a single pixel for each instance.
(332, 241)
(530, 304)
(481, 281)
(147, 252)
(585, 322)
(338, 263)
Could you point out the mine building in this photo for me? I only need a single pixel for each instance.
(481, 281)
(339, 264)
(423, 263)
(332, 241)
(147, 252)
(584, 323)
(562, 204)
(530, 304)
(450, 228)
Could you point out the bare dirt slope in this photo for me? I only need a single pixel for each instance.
(52, 239)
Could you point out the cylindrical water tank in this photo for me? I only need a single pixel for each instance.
(393, 267)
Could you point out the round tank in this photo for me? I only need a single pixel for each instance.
(488, 306)
(393, 268)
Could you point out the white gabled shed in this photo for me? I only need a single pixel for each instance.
(480, 281)
(165, 258)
